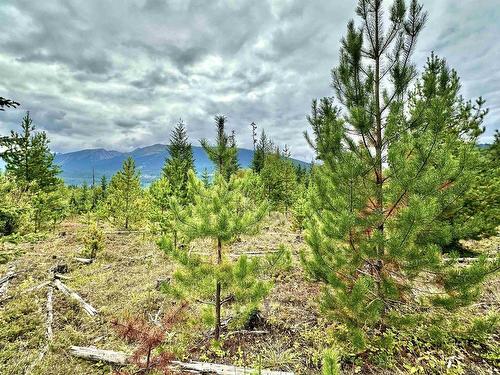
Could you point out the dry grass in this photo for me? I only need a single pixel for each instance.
(122, 281)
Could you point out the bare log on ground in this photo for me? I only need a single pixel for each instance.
(98, 355)
(4, 280)
(68, 292)
(50, 314)
(205, 367)
(121, 358)
(84, 260)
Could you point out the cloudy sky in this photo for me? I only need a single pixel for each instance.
(119, 74)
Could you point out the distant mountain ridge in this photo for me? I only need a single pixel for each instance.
(78, 166)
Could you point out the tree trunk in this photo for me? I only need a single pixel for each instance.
(378, 150)
(218, 292)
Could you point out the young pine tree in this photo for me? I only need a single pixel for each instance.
(279, 180)
(478, 215)
(224, 153)
(263, 148)
(221, 213)
(124, 204)
(393, 161)
(28, 158)
(179, 162)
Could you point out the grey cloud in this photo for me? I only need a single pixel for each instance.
(120, 74)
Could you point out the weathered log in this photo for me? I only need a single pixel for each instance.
(4, 281)
(121, 358)
(99, 355)
(50, 315)
(205, 367)
(84, 260)
(68, 292)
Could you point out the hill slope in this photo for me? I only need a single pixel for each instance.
(77, 166)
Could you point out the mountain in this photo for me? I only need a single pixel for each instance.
(77, 166)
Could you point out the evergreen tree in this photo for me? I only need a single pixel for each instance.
(205, 177)
(477, 213)
(221, 213)
(162, 199)
(124, 204)
(224, 153)
(180, 160)
(279, 180)
(262, 148)
(393, 161)
(85, 198)
(104, 187)
(28, 157)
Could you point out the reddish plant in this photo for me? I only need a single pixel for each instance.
(148, 336)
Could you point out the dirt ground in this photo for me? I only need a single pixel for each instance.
(123, 282)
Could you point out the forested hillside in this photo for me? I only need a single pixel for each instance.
(380, 257)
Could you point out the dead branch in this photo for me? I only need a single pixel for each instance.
(50, 315)
(69, 293)
(84, 260)
(121, 359)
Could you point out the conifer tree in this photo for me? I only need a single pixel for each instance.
(205, 177)
(180, 160)
(263, 148)
(221, 213)
(28, 157)
(224, 153)
(279, 180)
(162, 198)
(478, 212)
(124, 204)
(393, 161)
(104, 187)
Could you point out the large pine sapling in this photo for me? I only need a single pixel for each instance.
(223, 153)
(180, 161)
(124, 203)
(220, 213)
(394, 160)
(28, 158)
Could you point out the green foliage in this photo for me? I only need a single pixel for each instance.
(93, 240)
(279, 180)
(331, 363)
(162, 200)
(124, 203)
(479, 213)
(395, 161)
(29, 159)
(220, 212)
(263, 148)
(280, 261)
(300, 207)
(224, 153)
(179, 162)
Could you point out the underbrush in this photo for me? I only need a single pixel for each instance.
(288, 333)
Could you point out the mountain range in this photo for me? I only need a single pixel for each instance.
(77, 167)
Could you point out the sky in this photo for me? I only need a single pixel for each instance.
(120, 74)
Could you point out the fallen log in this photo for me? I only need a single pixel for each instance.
(205, 367)
(69, 293)
(99, 355)
(4, 281)
(84, 260)
(50, 315)
(121, 359)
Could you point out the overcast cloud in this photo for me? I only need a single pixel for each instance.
(119, 74)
